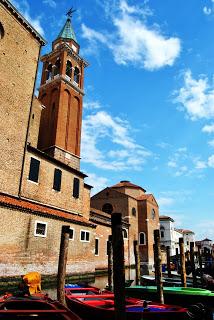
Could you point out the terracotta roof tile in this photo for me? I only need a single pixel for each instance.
(166, 218)
(26, 205)
(125, 183)
(184, 231)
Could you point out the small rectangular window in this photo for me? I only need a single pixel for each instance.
(40, 229)
(96, 247)
(162, 234)
(84, 236)
(71, 234)
(57, 179)
(34, 170)
(76, 188)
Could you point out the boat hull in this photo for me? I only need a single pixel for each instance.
(172, 295)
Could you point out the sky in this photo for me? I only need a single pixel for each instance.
(149, 97)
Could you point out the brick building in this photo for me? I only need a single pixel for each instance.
(141, 213)
(41, 186)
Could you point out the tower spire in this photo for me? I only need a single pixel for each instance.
(67, 31)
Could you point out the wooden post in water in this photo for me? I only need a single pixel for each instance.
(137, 262)
(63, 254)
(182, 259)
(200, 264)
(118, 266)
(158, 266)
(168, 261)
(177, 259)
(109, 251)
(192, 259)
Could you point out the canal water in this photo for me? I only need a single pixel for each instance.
(99, 282)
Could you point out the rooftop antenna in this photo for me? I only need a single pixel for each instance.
(70, 12)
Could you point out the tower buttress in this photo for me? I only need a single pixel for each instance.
(61, 92)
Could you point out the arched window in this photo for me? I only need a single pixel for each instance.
(107, 207)
(125, 233)
(142, 238)
(69, 69)
(153, 214)
(1, 31)
(56, 67)
(49, 72)
(76, 75)
(134, 212)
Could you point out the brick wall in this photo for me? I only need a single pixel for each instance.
(19, 52)
(21, 251)
(43, 190)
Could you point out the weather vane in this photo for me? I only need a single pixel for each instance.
(70, 12)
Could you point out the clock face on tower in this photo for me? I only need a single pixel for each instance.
(153, 214)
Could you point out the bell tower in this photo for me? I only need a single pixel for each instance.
(61, 92)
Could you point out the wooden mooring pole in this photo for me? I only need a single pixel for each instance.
(192, 259)
(177, 260)
(168, 261)
(182, 259)
(137, 262)
(200, 264)
(158, 266)
(109, 252)
(63, 254)
(118, 266)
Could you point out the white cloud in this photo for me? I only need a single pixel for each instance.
(133, 42)
(207, 10)
(211, 143)
(91, 105)
(51, 3)
(196, 97)
(181, 171)
(211, 161)
(165, 202)
(172, 164)
(100, 127)
(200, 164)
(209, 128)
(98, 183)
(24, 8)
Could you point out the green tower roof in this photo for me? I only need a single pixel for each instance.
(67, 31)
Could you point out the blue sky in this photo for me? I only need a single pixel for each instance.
(149, 104)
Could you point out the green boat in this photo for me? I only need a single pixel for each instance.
(174, 295)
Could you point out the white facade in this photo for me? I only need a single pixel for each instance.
(170, 236)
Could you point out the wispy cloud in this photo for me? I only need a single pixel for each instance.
(120, 151)
(92, 105)
(51, 3)
(196, 97)
(211, 161)
(207, 10)
(24, 8)
(211, 143)
(165, 202)
(133, 41)
(209, 128)
(98, 183)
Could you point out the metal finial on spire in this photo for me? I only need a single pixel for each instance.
(70, 12)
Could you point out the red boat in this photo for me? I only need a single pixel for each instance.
(91, 303)
(38, 306)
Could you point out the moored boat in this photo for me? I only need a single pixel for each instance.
(91, 303)
(178, 295)
(38, 306)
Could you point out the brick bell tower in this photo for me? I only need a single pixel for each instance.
(61, 92)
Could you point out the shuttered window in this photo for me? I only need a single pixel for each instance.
(76, 188)
(96, 247)
(57, 180)
(34, 170)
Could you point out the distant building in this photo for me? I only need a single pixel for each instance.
(205, 245)
(170, 235)
(189, 236)
(141, 213)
